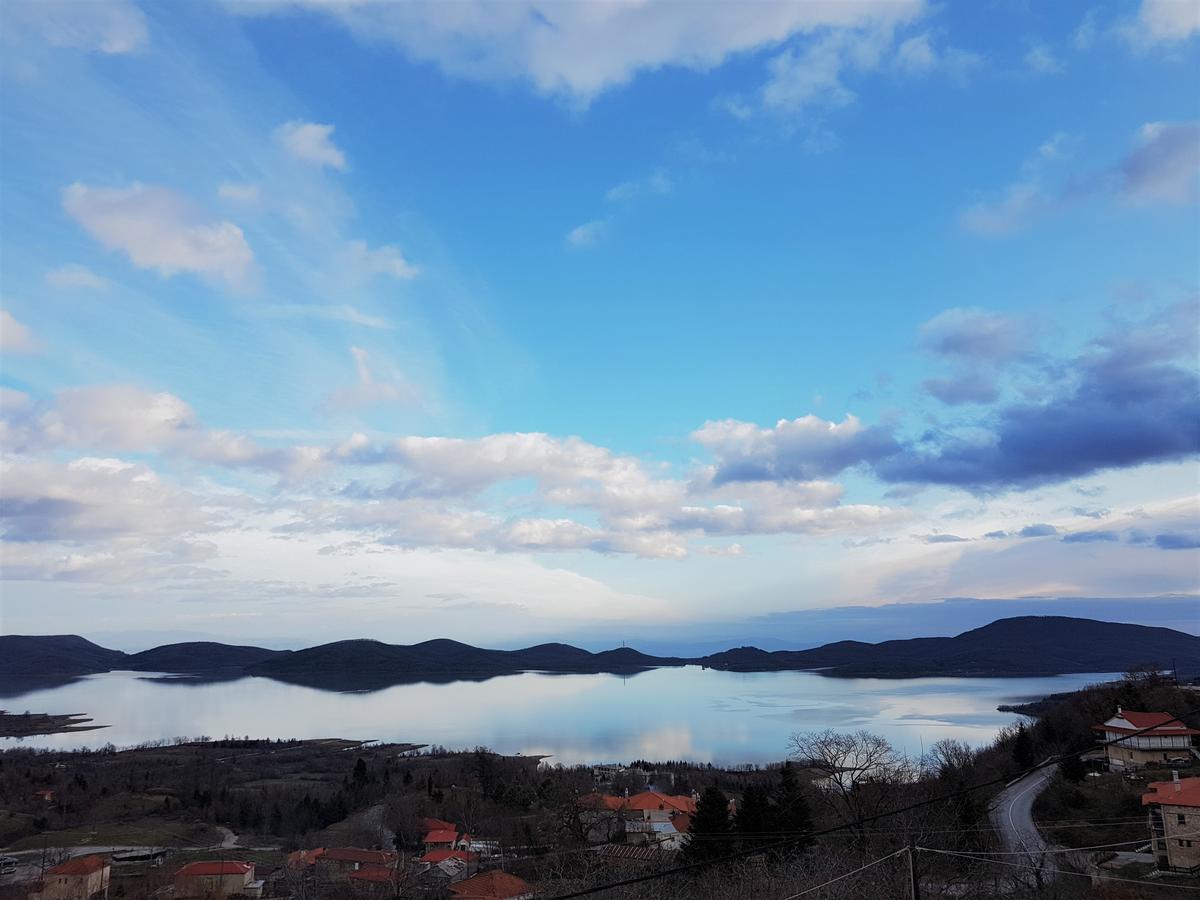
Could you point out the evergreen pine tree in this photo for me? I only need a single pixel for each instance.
(1022, 752)
(755, 817)
(792, 814)
(711, 830)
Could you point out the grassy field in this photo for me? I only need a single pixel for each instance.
(142, 833)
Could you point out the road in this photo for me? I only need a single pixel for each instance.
(1012, 813)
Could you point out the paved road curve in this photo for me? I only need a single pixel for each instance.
(1012, 813)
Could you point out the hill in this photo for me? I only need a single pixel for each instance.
(1022, 645)
(199, 656)
(446, 657)
(55, 654)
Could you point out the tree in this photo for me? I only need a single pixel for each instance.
(792, 814)
(1022, 751)
(1072, 769)
(711, 830)
(755, 819)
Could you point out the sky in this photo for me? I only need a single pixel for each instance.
(503, 321)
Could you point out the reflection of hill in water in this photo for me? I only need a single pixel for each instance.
(369, 682)
(14, 686)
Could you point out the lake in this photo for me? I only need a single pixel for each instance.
(679, 713)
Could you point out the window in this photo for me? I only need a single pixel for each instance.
(1180, 819)
(1185, 843)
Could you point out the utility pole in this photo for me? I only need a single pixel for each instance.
(913, 879)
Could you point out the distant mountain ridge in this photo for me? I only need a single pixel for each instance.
(1022, 645)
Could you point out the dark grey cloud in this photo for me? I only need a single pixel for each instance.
(1039, 530)
(1088, 537)
(1163, 167)
(1177, 541)
(943, 539)
(976, 334)
(954, 390)
(996, 535)
(1133, 398)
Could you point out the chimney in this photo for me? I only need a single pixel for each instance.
(1118, 710)
(1175, 779)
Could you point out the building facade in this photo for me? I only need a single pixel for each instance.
(1174, 808)
(1137, 739)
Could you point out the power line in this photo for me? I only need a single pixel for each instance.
(961, 792)
(1001, 862)
(847, 874)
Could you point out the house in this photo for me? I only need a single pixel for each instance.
(451, 865)
(216, 879)
(493, 885)
(1175, 823)
(340, 862)
(81, 878)
(429, 824)
(1160, 738)
(303, 859)
(441, 839)
(46, 795)
(625, 856)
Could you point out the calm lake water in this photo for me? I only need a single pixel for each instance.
(684, 713)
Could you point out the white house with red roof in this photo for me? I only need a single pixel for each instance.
(1175, 823)
(217, 879)
(81, 878)
(1137, 739)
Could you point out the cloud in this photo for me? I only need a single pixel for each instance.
(74, 275)
(369, 391)
(1176, 541)
(311, 143)
(342, 313)
(1134, 398)
(970, 387)
(156, 229)
(111, 27)
(1164, 168)
(798, 449)
(367, 261)
(15, 337)
(1162, 22)
(1040, 60)
(1089, 537)
(1041, 530)
(588, 234)
(919, 55)
(239, 193)
(942, 539)
(659, 183)
(578, 51)
(976, 335)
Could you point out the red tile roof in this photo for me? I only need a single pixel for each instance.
(80, 865)
(493, 885)
(1164, 792)
(358, 855)
(305, 857)
(438, 825)
(654, 800)
(215, 867)
(442, 836)
(377, 874)
(1160, 723)
(437, 856)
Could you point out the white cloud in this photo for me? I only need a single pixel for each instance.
(918, 55)
(386, 260)
(369, 391)
(311, 142)
(156, 228)
(1040, 60)
(74, 275)
(239, 193)
(580, 50)
(340, 313)
(14, 336)
(102, 26)
(659, 183)
(1021, 203)
(588, 234)
(1162, 22)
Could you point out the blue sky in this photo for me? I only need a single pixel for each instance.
(501, 320)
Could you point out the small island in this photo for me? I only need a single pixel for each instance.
(27, 724)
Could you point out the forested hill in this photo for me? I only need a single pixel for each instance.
(1025, 645)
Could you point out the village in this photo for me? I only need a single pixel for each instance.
(241, 818)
